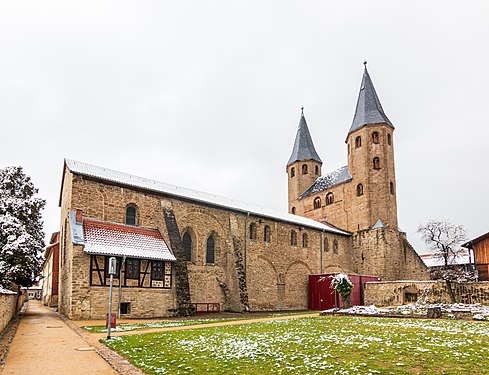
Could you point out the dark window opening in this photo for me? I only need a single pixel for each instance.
(375, 137)
(125, 308)
(358, 142)
(252, 231)
(316, 170)
(359, 190)
(132, 268)
(335, 246)
(389, 141)
(329, 199)
(293, 210)
(304, 239)
(157, 270)
(292, 172)
(326, 245)
(210, 250)
(187, 246)
(391, 187)
(304, 169)
(376, 163)
(293, 238)
(317, 203)
(131, 215)
(266, 233)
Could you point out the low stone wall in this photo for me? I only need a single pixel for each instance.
(389, 293)
(8, 307)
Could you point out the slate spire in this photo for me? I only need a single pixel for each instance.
(369, 110)
(303, 146)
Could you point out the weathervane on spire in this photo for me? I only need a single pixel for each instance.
(302, 110)
(365, 63)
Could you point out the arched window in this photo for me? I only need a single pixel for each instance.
(293, 238)
(335, 246)
(317, 203)
(304, 169)
(326, 244)
(389, 141)
(292, 211)
(252, 231)
(358, 142)
(304, 239)
(292, 172)
(376, 163)
(131, 215)
(375, 137)
(187, 246)
(316, 170)
(329, 199)
(391, 187)
(210, 251)
(359, 190)
(266, 233)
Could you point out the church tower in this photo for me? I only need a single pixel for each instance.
(370, 143)
(303, 167)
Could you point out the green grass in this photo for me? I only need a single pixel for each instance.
(179, 323)
(326, 345)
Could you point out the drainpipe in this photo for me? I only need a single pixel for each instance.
(321, 252)
(120, 286)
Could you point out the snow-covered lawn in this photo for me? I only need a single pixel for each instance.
(323, 345)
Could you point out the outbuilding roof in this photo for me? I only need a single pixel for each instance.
(105, 238)
(124, 179)
(339, 176)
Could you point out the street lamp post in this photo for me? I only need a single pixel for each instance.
(112, 272)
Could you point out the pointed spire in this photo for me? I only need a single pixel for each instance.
(303, 146)
(369, 110)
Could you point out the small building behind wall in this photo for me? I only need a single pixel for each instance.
(480, 246)
(50, 272)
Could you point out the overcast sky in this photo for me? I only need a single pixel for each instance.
(207, 94)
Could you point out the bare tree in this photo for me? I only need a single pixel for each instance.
(443, 238)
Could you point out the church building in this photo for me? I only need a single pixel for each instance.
(179, 250)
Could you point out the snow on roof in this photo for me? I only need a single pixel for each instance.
(106, 174)
(334, 178)
(379, 224)
(106, 238)
(436, 260)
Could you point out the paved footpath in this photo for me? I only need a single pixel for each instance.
(44, 344)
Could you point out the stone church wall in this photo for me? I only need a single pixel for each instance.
(247, 273)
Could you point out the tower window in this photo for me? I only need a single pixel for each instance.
(293, 238)
(304, 169)
(292, 172)
(335, 246)
(326, 244)
(358, 142)
(187, 246)
(210, 250)
(375, 137)
(317, 203)
(252, 230)
(359, 190)
(376, 163)
(316, 170)
(131, 215)
(304, 239)
(292, 211)
(266, 233)
(389, 141)
(391, 187)
(329, 199)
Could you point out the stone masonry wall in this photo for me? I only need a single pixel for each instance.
(273, 275)
(401, 292)
(8, 307)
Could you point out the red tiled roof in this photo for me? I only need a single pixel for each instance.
(107, 238)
